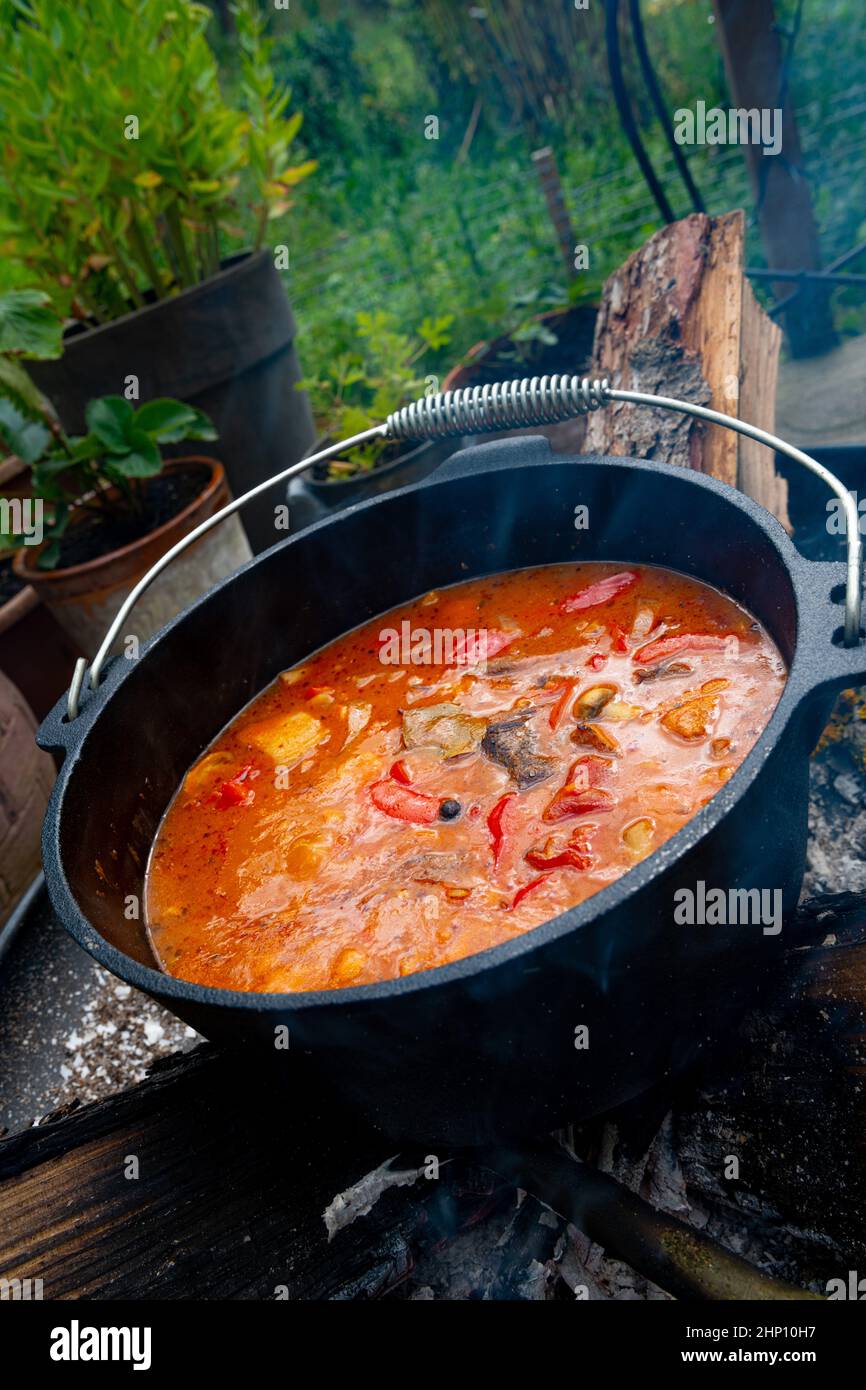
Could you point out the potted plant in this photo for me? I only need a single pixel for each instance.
(35, 652)
(104, 506)
(382, 370)
(123, 195)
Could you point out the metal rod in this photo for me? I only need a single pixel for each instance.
(837, 264)
(626, 115)
(772, 441)
(165, 560)
(841, 278)
(662, 109)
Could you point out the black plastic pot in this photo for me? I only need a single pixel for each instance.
(484, 1046)
(227, 346)
(312, 499)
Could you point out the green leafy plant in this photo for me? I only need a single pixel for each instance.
(126, 169)
(103, 472)
(28, 328)
(363, 385)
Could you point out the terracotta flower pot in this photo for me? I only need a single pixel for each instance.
(26, 778)
(84, 598)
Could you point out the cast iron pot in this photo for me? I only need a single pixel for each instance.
(486, 1046)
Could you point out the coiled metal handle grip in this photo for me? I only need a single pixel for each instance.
(503, 405)
(478, 409)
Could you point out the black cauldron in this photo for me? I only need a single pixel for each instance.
(486, 1046)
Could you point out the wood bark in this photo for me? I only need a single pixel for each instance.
(679, 319)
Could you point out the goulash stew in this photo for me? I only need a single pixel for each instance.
(455, 773)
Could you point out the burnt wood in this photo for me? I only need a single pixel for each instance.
(233, 1177)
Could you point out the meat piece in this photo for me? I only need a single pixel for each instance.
(666, 670)
(511, 744)
(595, 736)
(206, 771)
(693, 720)
(481, 646)
(440, 867)
(445, 726)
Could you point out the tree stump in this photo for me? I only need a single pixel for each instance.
(680, 319)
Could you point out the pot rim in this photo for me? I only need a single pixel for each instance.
(36, 577)
(463, 971)
(233, 267)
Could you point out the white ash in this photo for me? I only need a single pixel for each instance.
(119, 1035)
(362, 1196)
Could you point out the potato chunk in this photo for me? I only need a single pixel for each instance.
(639, 835)
(206, 771)
(285, 738)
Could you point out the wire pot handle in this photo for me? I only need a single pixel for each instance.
(474, 410)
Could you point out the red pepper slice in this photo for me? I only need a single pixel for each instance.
(588, 771)
(597, 662)
(481, 645)
(399, 773)
(236, 791)
(575, 855)
(403, 804)
(527, 888)
(617, 633)
(601, 592)
(495, 825)
(568, 858)
(558, 712)
(577, 801)
(680, 642)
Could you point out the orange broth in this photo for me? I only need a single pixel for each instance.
(455, 773)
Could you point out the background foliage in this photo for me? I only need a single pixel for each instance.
(391, 222)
